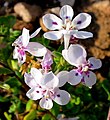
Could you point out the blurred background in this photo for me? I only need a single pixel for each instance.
(86, 104)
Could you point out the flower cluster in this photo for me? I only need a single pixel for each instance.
(44, 84)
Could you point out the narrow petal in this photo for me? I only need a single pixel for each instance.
(47, 60)
(90, 79)
(74, 77)
(66, 40)
(53, 35)
(15, 53)
(83, 34)
(52, 22)
(34, 93)
(29, 80)
(75, 55)
(95, 63)
(81, 21)
(66, 12)
(25, 37)
(62, 97)
(36, 49)
(21, 58)
(37, 75)
(18, 41)
(50, 80)
(46, 103)
(35, 33)
(63, 78)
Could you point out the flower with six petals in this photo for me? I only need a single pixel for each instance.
(65, 26)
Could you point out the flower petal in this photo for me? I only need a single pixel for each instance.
(63, 78)
(95, 63)
(75, 55)
(66, 40)
(53, 35)
(35, 33)
(36, 49)
(47, 60)
(49, 80)
(90, 79)
(25, 37)
(66, 12)
(62, 97)
(34, 93)
(15, 53)
(83, 34)
(52, 22)
(46, 103)
(21, 58)
(37, 75)
(29, 80)
(81, 21)
(74, 77)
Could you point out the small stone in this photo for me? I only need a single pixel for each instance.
(27, 12)
(19, 25)
(67, 2)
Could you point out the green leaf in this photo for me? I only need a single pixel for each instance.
(29, 105)
(31, 115)
(5, 71)
(8, 117)
(47, 117)
(13, 82)
(55, 110)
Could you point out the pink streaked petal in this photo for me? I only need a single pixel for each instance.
(81, 21)
(52, 22)
(83, 34)
(62, 97)
(66, 12)
(94, 63)
(90, 79)
(35, 33)
(36, 74)
(53, 35)
(46, 103)
(49, 80)
(34, 93)
(21, 58)
(63, 78)
(74, 77)
(29, 80)
(47, 60)
(75, 55)
(25, 37)
(36, 49)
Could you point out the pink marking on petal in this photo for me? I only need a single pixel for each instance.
(55, 23)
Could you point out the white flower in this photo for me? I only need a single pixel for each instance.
(76, 55)
(47, 61)
(46, 87)
(66, 26)
(22, 45)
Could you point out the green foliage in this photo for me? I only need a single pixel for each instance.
(87, 104)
